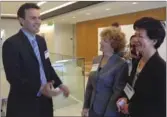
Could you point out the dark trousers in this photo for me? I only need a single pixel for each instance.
(42, 107)
(45, 107)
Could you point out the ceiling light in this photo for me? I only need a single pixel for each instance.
(40, 3)
(58, 7)
(134, 2)
(73, 17)
(87, 13)
(107, 9)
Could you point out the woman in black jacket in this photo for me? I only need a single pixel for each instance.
(146, 91)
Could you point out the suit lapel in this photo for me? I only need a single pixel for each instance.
(27, 45)
(110, 65)
(111, 62)
(146, 69)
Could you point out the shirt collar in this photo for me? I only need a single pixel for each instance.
(28, 35)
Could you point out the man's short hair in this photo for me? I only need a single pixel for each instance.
(21, 10)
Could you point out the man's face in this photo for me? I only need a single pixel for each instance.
(32, 20)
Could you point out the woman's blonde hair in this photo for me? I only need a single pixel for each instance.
(116, 36)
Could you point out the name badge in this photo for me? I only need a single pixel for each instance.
(46, 54)
(94, 67)
(129, 91)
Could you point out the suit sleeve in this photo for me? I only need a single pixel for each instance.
(54, 76)
(11, 63)
(118, 85)
(52, 72)
(88, 93)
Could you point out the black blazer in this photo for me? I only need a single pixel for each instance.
(149, 99)
(22, 72)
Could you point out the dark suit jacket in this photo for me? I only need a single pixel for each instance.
(105, 86)
(149, 99)
(22, 72)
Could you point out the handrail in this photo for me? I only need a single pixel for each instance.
(60, 54)
(68, 60)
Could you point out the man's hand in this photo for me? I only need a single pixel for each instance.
(65, 90)
(48, 90)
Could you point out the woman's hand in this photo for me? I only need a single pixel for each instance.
(85, 112)
(124, 109)
(121, 103)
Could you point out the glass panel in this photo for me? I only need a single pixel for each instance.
(71, 72)
(55, 57)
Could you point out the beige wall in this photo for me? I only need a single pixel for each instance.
(64, 37)
(11, 26)
(60, 39)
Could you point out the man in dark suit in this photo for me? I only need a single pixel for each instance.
(28, 68)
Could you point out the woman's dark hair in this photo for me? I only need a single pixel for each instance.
(154, 29)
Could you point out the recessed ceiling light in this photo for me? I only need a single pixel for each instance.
(134, 2)
(87, 13)
(58, 7)
(73, 17)
(107, 9)
(40, 3)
